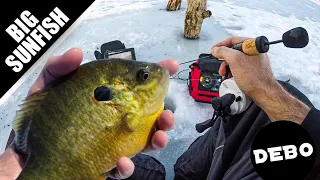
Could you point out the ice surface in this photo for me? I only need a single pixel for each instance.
(157, 34)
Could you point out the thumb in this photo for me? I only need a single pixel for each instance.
(11, 164)
(225, 53)
(123, 170)
(56, 67)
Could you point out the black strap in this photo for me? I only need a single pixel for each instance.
(234, 141)
(221, 106)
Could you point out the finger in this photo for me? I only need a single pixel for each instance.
(231, 41)
(159, 141)
(124, 169)
(166, 120)
(226, 53)
(11, 156)
(56, 67)
(171, 65)
(222, 70)
(229, 75)
(220, 52)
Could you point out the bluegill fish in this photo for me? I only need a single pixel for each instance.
(79, 127)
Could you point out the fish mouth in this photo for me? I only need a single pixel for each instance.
(153, 105)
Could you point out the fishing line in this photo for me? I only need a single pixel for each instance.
(188, 62)
(182, 79)
(177, 76)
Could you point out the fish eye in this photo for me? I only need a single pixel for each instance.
(142, 75)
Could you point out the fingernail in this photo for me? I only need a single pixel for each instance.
(154, 146)
(121, 176)
(214, 50)
(72, 50)
(176, 62)
(173, 119)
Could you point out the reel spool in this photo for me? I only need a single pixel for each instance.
(241, 102)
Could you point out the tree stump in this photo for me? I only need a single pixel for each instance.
(173, 5)
(195, 14)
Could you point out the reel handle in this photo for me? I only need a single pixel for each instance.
(200, 127)
(221, 107)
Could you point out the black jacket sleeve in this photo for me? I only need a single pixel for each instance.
(312, 124)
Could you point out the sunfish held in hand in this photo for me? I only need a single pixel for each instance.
(79, 127)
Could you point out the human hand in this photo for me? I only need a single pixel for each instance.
(252, 74)
(254, 77)
(11, 163)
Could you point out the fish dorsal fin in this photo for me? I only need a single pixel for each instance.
(23, 119)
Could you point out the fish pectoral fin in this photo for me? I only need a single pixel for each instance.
(109, 125)
(126, 123)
